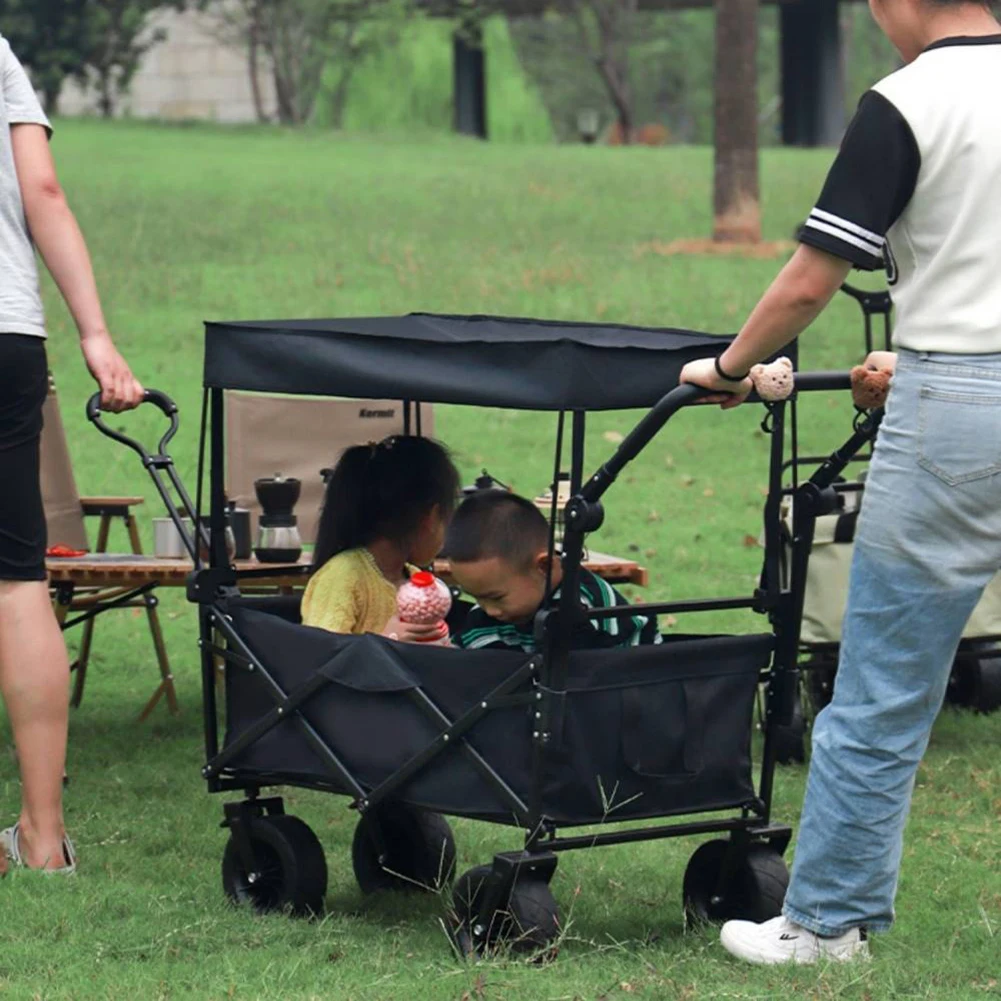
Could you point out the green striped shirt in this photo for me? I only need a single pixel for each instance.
(480, 632)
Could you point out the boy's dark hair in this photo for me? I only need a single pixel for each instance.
(383, 491)
(497, 523)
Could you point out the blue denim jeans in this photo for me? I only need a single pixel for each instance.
(927, 543)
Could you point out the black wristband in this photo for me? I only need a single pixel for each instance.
(726, 375)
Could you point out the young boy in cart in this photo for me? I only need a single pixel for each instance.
(498, 547)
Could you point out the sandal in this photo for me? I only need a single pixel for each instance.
(10, 843)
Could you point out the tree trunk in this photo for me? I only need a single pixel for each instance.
(105, 95)
(254, 62)
(608, 43)
(50, 97)
(615, 75)
(339, 99)
(736, 204)
(285, 94)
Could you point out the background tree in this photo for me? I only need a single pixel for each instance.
(98, 42)
(606, 30)
(118, 36)
(736, 200)
(51, 38)
(237, 24)
(305, 46)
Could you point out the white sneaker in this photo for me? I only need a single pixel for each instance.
(783, 941)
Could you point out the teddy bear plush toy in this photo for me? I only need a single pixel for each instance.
(870, 382)
(774, 381)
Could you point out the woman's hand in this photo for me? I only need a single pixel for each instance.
(120, 390)
(727, 393)
(881, 361)
(412, 632)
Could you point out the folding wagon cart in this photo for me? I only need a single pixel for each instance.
(545, 743)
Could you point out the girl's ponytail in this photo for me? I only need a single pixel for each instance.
(384, 490)
(345, 514)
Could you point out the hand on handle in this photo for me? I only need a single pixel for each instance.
(120, 390)
(722, 391)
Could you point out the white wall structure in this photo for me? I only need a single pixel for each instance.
(190, 76)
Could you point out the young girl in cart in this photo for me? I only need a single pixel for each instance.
(386, 508)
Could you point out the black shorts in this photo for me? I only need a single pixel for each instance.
(24, 383)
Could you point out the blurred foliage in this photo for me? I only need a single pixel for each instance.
(540, 80)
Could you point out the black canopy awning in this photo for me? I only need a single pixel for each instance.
(476, 360)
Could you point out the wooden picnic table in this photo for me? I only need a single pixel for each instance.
(129, 570)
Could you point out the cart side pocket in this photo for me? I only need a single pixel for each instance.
(663, 730)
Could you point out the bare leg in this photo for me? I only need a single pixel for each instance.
(34, 682)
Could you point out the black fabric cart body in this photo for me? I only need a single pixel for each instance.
(546, 742)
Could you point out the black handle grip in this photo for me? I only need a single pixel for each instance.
(160, 400)
(808, 382)
(154, 396)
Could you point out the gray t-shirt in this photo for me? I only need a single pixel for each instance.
(20, 297)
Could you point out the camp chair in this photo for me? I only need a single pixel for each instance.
(65, 513)
(300, 437)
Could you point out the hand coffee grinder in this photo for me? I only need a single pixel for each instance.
(278, 539)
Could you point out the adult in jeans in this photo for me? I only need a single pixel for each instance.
(915, 187)
(34, 669)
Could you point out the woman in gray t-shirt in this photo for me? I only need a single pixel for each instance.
(34, 668)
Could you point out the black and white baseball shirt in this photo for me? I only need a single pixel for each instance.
(916, 188)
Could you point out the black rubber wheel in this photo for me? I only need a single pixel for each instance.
(789, 741)
(820, 676)
(291, 869)
(419, 850)
(528, 921)
(975, 682)
(754, 891)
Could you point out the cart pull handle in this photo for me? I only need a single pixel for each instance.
(160, 467)
(158, 399)
(877, 301)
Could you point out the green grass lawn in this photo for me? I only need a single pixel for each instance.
(194, 224)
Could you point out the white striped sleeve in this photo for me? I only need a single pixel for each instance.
(870, 184)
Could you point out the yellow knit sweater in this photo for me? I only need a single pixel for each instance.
(349, 594)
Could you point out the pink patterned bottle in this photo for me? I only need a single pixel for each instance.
(425, 600)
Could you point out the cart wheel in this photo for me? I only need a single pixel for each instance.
(754, 890)
(418, 845)
(790, 740)
(291, 869)
(527, 921)
(820, 683)
(975, 683)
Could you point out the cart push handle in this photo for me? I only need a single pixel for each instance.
(872, 302)
(159, 463)
(582, 510)
(158, 399)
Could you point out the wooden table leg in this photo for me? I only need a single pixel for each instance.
(87, 634)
